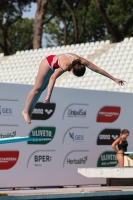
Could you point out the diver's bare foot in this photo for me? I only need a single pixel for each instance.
(26, 117)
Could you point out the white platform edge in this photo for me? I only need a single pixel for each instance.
(126, 172)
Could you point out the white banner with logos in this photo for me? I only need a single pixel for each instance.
(82, 125)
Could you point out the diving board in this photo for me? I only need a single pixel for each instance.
(23, 139)
(123, 172)
(128, 153)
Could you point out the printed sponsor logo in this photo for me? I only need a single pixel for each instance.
(8, 159)
(76, 113)
(5, 111)
(107, 136)
(40, 158)
(77, 161)
(74, 134)
(76, 110)
(48, 111)
(107, 159)
(108, 114)
(76, 138)
(8, 135)
(43, 111)
(76, 157)
(47, 132)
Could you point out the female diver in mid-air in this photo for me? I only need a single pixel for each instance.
(50, 69)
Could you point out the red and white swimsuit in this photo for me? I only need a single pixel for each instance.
(55, 65)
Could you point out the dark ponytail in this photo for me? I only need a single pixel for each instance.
(75, 62)
(77, 68)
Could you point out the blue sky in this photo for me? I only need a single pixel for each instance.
(31, 13)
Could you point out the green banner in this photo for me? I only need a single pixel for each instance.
(107, 159)
(47, 132)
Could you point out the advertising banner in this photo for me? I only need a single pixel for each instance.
(81, 124)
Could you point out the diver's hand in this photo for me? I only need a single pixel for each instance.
(120, 151)
(46, 100)
(119, 81)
